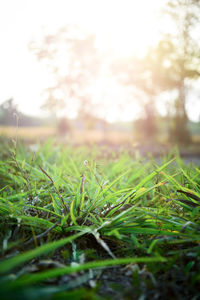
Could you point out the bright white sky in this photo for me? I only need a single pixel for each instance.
(123, 26)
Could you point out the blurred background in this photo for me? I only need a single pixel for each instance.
(108, 72)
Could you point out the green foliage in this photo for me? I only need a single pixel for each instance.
(67, 216)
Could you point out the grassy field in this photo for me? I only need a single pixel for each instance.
(31, 134)
(75, 136)
(79, 224)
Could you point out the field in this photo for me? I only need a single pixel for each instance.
(88, 223)
(75, 136)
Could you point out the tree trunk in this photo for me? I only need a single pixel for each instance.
(180, 132)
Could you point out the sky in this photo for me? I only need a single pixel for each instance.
(113, 21)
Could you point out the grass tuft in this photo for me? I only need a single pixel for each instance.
(87, 218)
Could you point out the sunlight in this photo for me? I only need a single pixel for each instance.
(129, 26)
(108, 98)
(122, 28)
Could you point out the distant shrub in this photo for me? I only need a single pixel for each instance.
(63, 126)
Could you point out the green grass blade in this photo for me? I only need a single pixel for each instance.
(13, 262)
(35, 278)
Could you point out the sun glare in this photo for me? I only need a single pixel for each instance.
(122, 28)
(130, 26)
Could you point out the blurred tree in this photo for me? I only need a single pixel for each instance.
(137, 73)
(148, 122)
(8, 112)
(63, 126)
(179, 56)
(73, 60)
(169, 66)
(10, 115)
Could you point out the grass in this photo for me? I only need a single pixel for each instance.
(30, 134)
(77, 223)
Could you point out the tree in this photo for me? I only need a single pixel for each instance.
(73, 60)
(169, 66)
(137, 73)
(8, 113)
(63, 127)
(179, 60)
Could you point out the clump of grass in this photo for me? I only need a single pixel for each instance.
(66, 217)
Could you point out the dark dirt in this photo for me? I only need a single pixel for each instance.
(122, 283)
